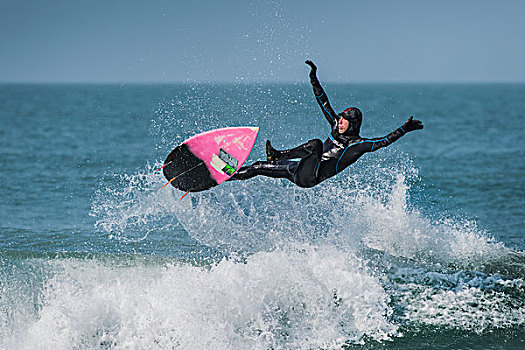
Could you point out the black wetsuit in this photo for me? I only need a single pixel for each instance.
(320, 161)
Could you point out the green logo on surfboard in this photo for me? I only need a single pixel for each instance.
(225, 162)
(228, 170)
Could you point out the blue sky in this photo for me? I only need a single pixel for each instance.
(227, 40)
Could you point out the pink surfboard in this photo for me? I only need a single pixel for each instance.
(210, 158)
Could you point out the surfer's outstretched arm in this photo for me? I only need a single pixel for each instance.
(321, 97)
(380, 142)
(355, 150)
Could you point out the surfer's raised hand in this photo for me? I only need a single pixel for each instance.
(412, 124)
(313, 66)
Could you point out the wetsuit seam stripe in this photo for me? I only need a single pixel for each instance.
(347, 147)
(322, 105)
(374, 142)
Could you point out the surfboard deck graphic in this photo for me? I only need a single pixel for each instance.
(210, 158)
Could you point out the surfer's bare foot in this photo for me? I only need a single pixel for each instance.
(272, 155)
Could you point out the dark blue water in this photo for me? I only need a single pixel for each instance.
(418, 245)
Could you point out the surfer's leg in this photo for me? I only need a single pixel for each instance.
(306, 173)
(278, 171)
(301, 151)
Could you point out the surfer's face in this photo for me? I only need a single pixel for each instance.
(343, 124)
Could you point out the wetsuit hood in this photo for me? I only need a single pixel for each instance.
(354, 117)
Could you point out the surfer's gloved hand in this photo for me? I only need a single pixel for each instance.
(313, 72)
(412, 124)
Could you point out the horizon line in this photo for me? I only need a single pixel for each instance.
(246, 82)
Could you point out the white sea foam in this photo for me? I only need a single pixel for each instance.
(302, 297)
(473, 302)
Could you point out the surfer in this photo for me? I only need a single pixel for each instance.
(319, 161)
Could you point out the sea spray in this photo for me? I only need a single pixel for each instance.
(264, 214)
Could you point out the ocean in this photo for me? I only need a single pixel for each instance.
(417, 246)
